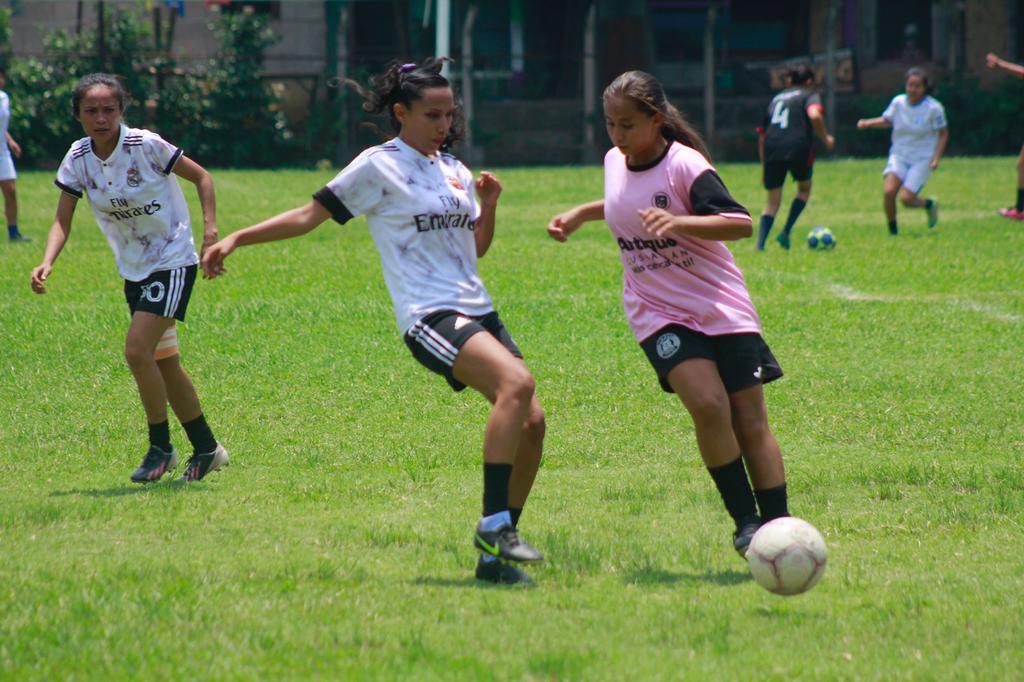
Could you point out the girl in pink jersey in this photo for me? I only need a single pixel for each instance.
(684, 297)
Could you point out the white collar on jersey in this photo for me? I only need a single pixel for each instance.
(117, 148)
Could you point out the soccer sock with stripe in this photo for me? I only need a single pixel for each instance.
(772, 502)
(733, 486)
(160, 435)
(200, 435)
(795, 209)
(766, 226)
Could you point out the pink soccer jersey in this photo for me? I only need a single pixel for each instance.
(678, 279)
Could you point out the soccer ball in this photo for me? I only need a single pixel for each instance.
(821, 239)
(787, 556)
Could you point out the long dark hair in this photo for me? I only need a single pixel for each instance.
(92, 80)
(647, 92)
(405, 83)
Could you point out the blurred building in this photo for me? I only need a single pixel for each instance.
(531, 98)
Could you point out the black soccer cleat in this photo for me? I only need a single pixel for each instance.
(505, 543)
(201, 464)
(744, 534)
(500, 573)
(155, 464)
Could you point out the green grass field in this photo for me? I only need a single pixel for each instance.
(338, 543)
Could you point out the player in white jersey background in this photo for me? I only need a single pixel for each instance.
(421, 206)
(919, 137)
(126, 173)
(1015, 212)
(8, 175)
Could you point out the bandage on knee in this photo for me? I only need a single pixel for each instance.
(167, 347)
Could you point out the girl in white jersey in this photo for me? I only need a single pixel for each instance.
(919, 136)
(8, 176)
(683, 295)
(421, 206)
(126, 173)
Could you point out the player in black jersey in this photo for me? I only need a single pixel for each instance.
(786, 145)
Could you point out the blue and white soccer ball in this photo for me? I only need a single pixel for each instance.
(821, 239)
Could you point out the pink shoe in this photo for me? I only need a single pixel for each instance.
(1012, 213)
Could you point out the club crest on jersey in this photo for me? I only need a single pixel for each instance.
(660, 200)
(454, 182)
(667, 345)
(132, 177)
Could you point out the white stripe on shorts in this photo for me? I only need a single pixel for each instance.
(176, 283)
(436, 344)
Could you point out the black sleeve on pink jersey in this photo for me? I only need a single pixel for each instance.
(708, 196)
(326, 198)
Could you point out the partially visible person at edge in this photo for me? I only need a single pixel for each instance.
(128, 176)
(683, 294)
(1015, 212)
(421, 206)
(8, 175)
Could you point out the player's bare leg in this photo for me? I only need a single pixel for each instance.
(1016, 212)
(143, 335)
(697, 383)
(890, 188)
(760, 450)
(771, 209)
(913, 200)
(485, 365)
(803, 195)
(9, 191)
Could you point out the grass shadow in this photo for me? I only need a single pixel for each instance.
(653, 576)
(121, 491)
(466, 582)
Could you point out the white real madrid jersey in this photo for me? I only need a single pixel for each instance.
(915, 127)
(421, 211)
(137, 202)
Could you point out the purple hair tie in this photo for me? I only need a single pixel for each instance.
(406, 67)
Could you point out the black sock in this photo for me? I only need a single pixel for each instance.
(892, 227)
(200, 435)
(1020, 199)
(496, 477)
(515, 514)
(795, 209)
(160, 435)
(732, 483)
(773, 502)
(928, 203)
(766, 226)
(12, 230)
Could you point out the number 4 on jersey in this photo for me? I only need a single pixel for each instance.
(780, 115)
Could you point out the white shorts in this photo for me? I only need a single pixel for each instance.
(7, 165)
(913, 174)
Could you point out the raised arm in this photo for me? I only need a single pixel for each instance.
(488, 188)
(55, 241)
(995, 62)
(878, 122)
(564, 224)
(293, 223)
(197, 175)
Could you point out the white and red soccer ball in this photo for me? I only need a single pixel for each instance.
(787, 556)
